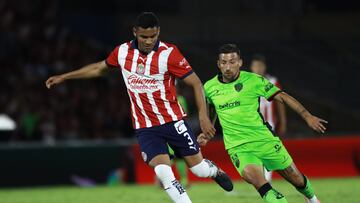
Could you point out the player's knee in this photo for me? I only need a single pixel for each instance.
(204, 169)
(253, 177)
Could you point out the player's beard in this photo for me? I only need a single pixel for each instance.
(229, 77)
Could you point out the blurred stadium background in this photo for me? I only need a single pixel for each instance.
(80, 132)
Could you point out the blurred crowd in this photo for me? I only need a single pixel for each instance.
(33, 46)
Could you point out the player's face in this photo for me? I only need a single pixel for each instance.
(229, 65)
(146, 38)
(258, 67)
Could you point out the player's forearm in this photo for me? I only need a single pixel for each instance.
(88, 71)
(295, 105)
(282, 114)
(212, 113)
(200, 99)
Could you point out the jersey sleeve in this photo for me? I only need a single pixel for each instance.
(112, 59)
(178, 65)
(265, 88)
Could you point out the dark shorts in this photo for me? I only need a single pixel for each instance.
(155, 140)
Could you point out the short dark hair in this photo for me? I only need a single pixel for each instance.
(259, 57)
(229, 48)
(147, 20)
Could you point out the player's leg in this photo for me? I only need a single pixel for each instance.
(268, 175)
(184, 143)
(205, 168)
(182, 169)
(180, 166)
(155, 153)
(276, 157)
(251, 169)
(300, 182)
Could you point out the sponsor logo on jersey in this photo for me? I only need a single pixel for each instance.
(268, 86)
(184, 62)
(229, 105)
(142, 83)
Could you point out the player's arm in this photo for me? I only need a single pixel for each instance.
(313, 122)
(206, 127)
(212, 113)
(202, 139)
(89, 71)
(281, 112)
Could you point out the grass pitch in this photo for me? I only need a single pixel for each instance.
(328, 190)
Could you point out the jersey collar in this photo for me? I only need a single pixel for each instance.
(134, 45)
(221, 79)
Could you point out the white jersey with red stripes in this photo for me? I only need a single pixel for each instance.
(268, 108)
(150, 81)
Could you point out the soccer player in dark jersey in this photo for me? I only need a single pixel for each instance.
(149, 68)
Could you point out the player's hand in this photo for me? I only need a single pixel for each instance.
(206, 127)
(202, 140)
(316, 123)
(54, 80)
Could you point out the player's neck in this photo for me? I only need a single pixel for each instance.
(223, 80)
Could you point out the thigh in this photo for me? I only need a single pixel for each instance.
(151, 143)
(274, 156)
(241, 159)
(181, 139)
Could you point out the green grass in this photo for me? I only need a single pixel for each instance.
(328, 190)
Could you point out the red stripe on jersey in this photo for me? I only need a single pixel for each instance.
(148, 109)
(112, 59)
(154, 66)
(129, 59)
(170, 92)
(161, 106)
(140, 117)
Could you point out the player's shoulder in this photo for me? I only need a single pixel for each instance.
(250, 76)
(211, 82)
(167, 45)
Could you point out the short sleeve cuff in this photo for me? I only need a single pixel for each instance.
(110, 65)
(187, 74)
(273, 95)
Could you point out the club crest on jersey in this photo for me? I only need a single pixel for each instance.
(238, 87)
(140, 69)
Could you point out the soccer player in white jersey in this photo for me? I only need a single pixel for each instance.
(149, 68)
(273, 112)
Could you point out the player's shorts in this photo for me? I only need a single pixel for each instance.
(155, 140)
(270, 154)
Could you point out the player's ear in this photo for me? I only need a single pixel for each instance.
(134, 31)
(240, 62)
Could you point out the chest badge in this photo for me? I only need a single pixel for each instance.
(238, 87)
(140, 69)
